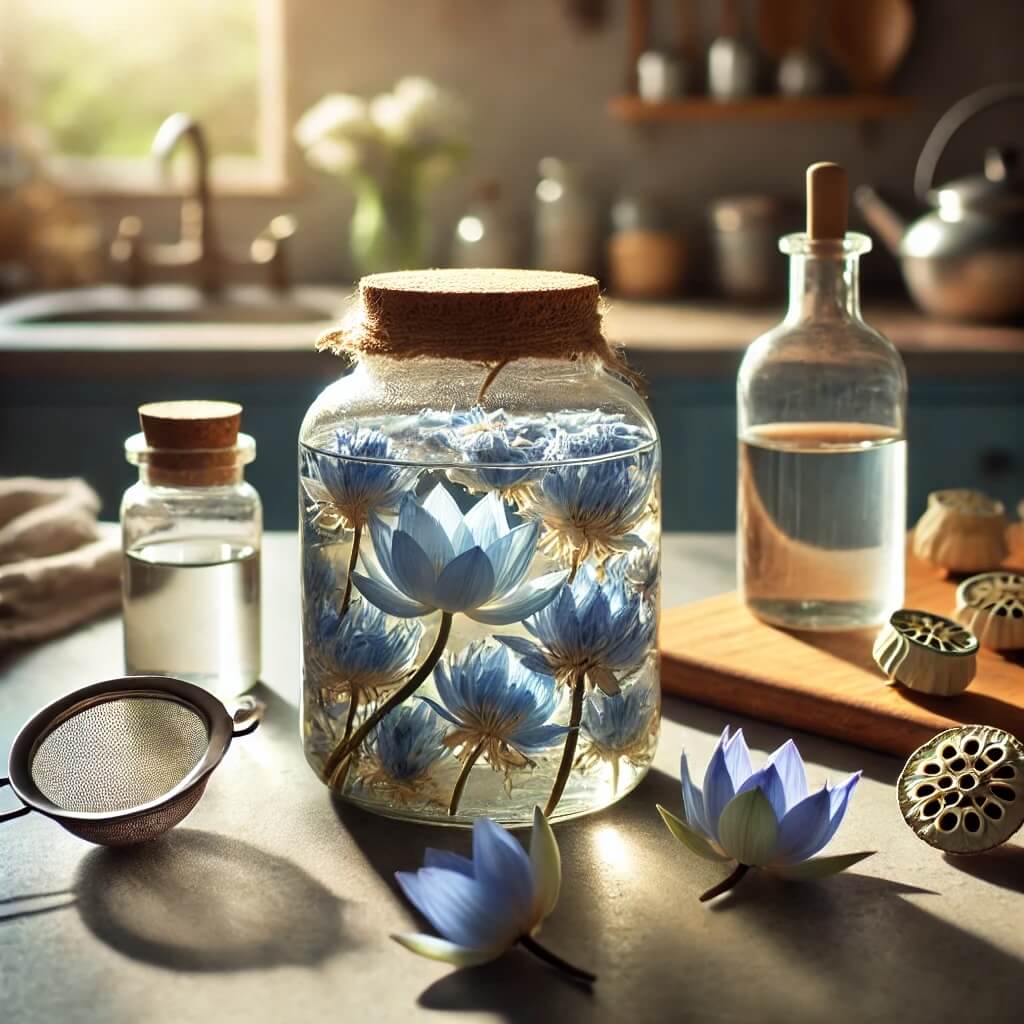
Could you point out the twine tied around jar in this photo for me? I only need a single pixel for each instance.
(492, 317)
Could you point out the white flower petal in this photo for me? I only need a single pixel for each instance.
(547, 864)
(434, 948)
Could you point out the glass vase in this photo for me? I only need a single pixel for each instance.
(388, 230)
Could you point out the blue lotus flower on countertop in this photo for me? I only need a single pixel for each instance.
(592, 628)
(592, 507)
(402, 750)
(500, 709)
(484, 906)
(355, 479)
(618, 728)
(765, 818)
(435, 558)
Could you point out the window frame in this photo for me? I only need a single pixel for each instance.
(268, 174)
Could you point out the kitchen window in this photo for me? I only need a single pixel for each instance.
(90, 83)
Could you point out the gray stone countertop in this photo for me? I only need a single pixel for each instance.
(272, 903)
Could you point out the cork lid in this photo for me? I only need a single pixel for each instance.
(191, 443)
(190, 425)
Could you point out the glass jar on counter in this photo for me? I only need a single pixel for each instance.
(480, 529)
(191, 530)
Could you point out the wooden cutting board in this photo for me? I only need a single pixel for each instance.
(715, 652)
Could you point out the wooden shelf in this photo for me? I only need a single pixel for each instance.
(762, 108)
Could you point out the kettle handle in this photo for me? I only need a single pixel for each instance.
(951, 122)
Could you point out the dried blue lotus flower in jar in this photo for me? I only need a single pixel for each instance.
(479, 506)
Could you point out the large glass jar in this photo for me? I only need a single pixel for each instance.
(480, 549)
(191, 529)
(822, 444)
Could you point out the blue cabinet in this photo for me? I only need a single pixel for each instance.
(963, 433)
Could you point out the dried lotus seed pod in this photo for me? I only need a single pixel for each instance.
(925, 652)
(962, 531)
(963, 791)
(991, 606)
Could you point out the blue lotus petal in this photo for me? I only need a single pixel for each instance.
(527, 600)
(443, 508)
(449, 861)
(718, 787)
(693, 801)
(839, 798)
(512, 554)
(407, 743)
(387, 598)
(440, 709)
(465, 583)
(768, 780)
(413, 571)
(459, 907)
(530, 655)
(487, 521)
(380, 537)
(790, 766)
(501, 864)
(428, 533)
(541, 737)
(802, 831)
(737, 759)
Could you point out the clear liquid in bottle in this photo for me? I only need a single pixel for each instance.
(192, 610)
(821, 521)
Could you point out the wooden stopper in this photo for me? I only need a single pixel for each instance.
(194, 444)
(826, 202)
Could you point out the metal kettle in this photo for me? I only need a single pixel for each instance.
(964, 260)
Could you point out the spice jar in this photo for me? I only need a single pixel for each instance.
(191, 530)
(480, 547)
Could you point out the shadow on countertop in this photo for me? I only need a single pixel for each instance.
(770, 951)
(197, 901)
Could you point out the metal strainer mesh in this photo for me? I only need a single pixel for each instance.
(120, 753)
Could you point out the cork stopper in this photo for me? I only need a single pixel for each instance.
(826, 202)
(190, 444)
(190, 425)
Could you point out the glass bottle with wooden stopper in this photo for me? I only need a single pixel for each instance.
(821, 402)
(191, 530)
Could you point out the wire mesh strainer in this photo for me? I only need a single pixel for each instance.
(124, 760)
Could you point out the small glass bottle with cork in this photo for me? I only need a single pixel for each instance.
(821, 403)
(191, 532)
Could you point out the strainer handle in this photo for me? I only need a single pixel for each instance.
(247, 716)
(10, 815)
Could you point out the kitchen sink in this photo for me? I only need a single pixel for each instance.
(178, 304)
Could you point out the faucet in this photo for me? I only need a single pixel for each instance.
(197, 255)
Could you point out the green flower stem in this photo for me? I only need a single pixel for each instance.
(726, 884)
(577, 973)
(460, 782)
(569, 750)
(346, 598)
(342, 751)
